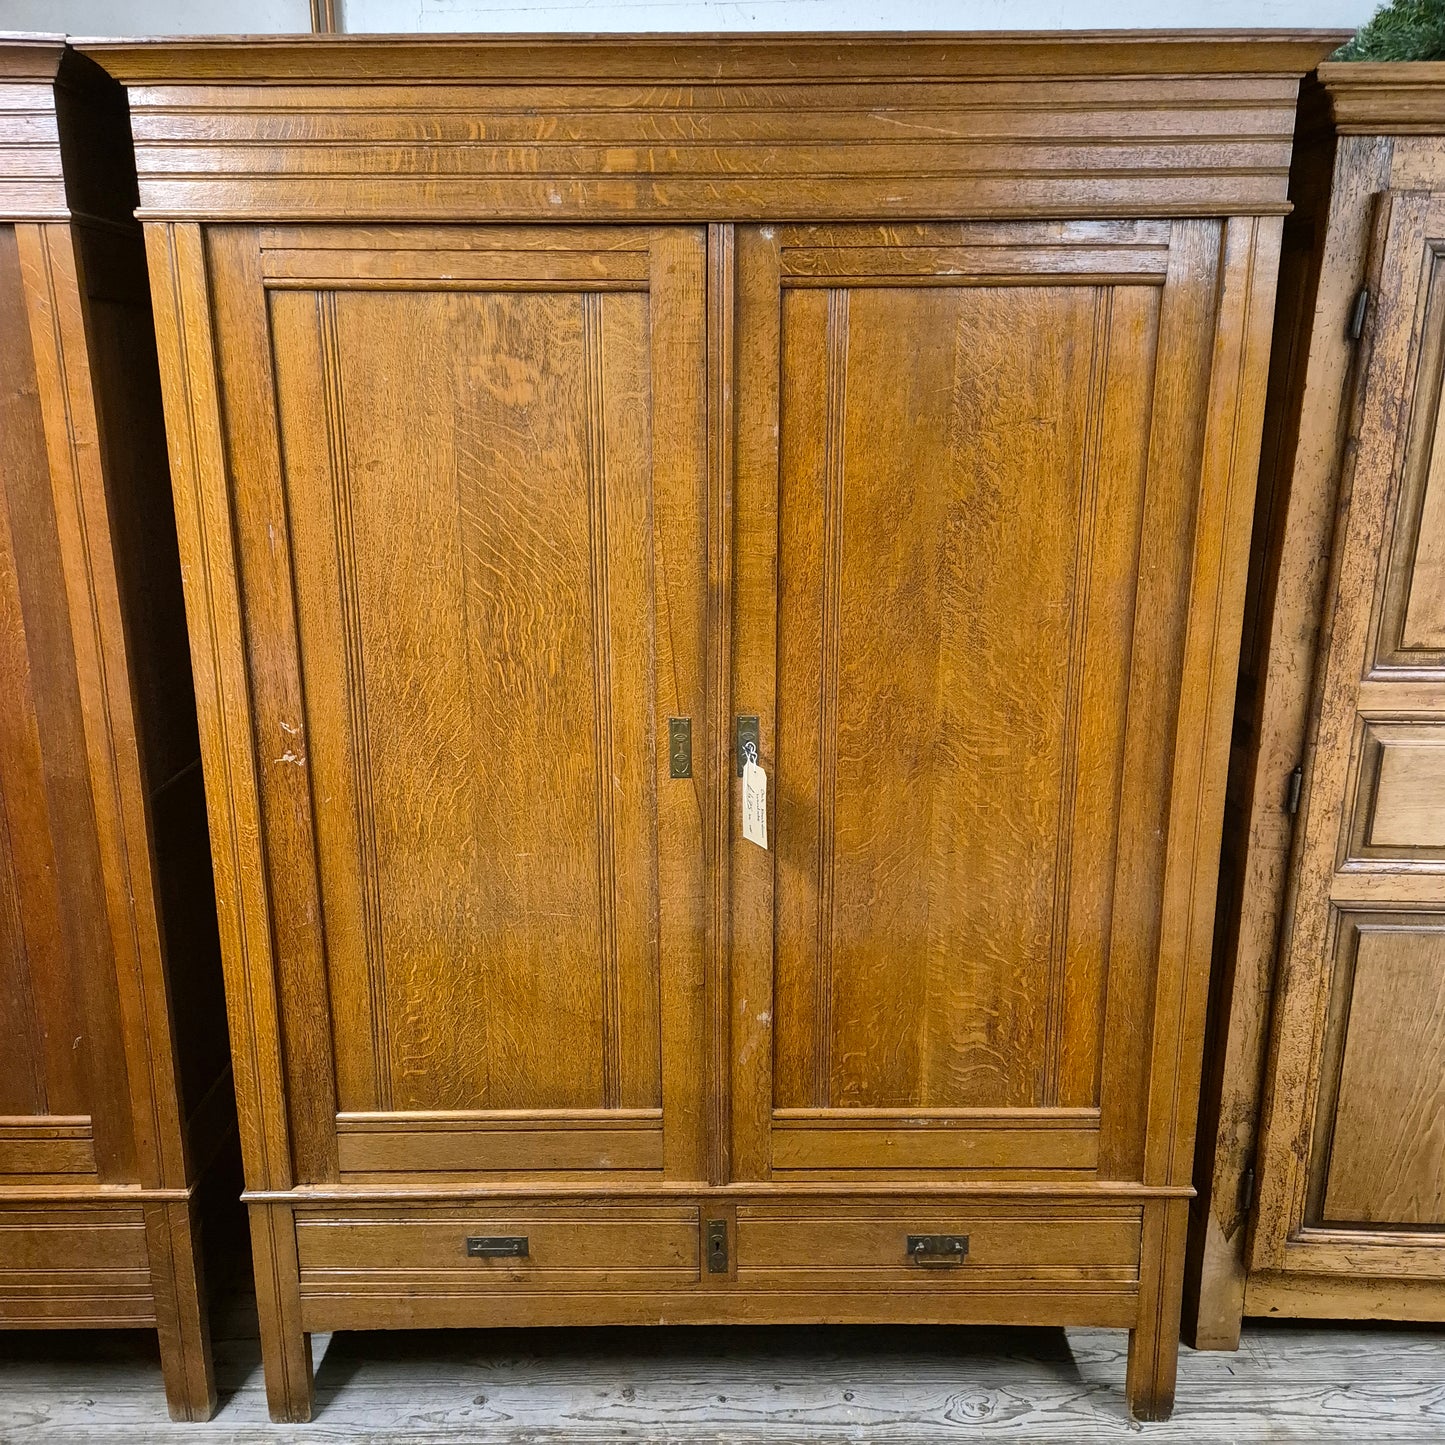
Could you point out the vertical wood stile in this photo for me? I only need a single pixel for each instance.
(835, 443)
(359, 708)
(1228, 469)
(188, 377)
(595, 422)
(1078, 664)
(720, 783)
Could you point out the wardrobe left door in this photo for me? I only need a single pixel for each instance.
(466, 473)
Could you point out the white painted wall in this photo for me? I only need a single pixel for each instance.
(642, 15)
(155, 17)
(195, 17)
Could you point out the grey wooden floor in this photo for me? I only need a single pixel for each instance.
(1289, 1382)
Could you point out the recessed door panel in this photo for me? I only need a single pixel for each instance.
(1382, 1154)
(946, 673)
(1412, 632)
(472, 535)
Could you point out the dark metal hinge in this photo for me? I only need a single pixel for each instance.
(1246, 1191)
(1359, 312)
(1292, 790)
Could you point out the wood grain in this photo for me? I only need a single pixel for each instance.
(1387, 1153)
(1312, 1030)
(538, 538)
(106, 924)
(1407, 798)
(1343, 1125)
(720, 130)
(925, 693)
(1307, 406)
(954, 503)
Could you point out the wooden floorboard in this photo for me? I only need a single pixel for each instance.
(1288, 1382)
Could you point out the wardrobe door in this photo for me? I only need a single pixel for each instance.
(64, 1109)
(467, 470)
(1352, 1155)
(959, 445)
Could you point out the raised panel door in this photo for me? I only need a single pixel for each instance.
(953, 467)
(1351, 1179)
(484, 466)
(63, 1120)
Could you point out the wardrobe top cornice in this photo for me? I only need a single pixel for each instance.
(714, 129)
(1398, 98)
(1057, 55)
(42, 81)
(29, 57)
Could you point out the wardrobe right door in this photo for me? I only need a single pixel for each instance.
(968, 471)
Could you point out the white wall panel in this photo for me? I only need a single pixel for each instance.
(155, 17)
(180, 17)
(642, 15)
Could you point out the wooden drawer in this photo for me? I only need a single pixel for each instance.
(567, 1247)
(866, 1247)
(73, 1267)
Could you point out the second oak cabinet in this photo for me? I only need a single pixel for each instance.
(549, 436)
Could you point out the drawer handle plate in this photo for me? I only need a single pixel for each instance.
(497, 1246)
(938, 1248)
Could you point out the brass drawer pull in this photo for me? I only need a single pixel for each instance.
(938, 1248)
(497, 1246)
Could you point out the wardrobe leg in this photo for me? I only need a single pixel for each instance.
(173, 1244)
(1214, 1299)
(1154, 1340)
(285, 1347)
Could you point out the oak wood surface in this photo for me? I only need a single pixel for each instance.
(1387, 1152)
(1338, 1120)
(106, 923)
(716, 128)
(932, 450)
(1313, 1021)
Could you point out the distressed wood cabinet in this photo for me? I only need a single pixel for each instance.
(115, 1092)
(1322, 1157)
(551, 421)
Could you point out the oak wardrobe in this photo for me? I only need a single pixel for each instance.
(557, 424)
(116, 1101)
(1322, 1156)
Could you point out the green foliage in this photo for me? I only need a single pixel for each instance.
(1402, 30)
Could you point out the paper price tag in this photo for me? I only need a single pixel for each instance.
(755, 804)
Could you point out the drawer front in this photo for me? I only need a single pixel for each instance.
(531, 1247)
(886, 1247)
(73, 1267)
